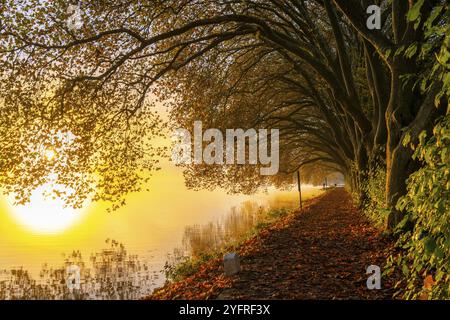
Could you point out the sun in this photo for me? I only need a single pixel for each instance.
(45, 214)
(50, 154)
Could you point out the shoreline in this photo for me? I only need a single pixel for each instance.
(212, 268)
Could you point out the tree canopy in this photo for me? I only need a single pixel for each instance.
(344, 97)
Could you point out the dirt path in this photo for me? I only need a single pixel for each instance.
(319, 253)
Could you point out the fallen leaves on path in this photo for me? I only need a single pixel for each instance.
(321, 252)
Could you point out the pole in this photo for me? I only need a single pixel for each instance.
(299, 188)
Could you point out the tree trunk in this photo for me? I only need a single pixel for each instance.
(398, 158)
(397, 172)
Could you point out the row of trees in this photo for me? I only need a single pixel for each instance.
(344, 97)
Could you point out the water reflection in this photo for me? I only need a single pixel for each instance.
(112, 273)
(199, 239)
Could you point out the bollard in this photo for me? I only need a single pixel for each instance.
(231, 264)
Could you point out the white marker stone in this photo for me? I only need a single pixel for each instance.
(231, 264)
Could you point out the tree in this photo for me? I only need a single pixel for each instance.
(341, 93)
(413, 102)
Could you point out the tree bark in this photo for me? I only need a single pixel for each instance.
(402, 118)
(398, 157)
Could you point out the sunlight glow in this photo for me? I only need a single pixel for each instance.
(50, 154)
(45, 214)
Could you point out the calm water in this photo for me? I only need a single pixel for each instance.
(150, 227)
